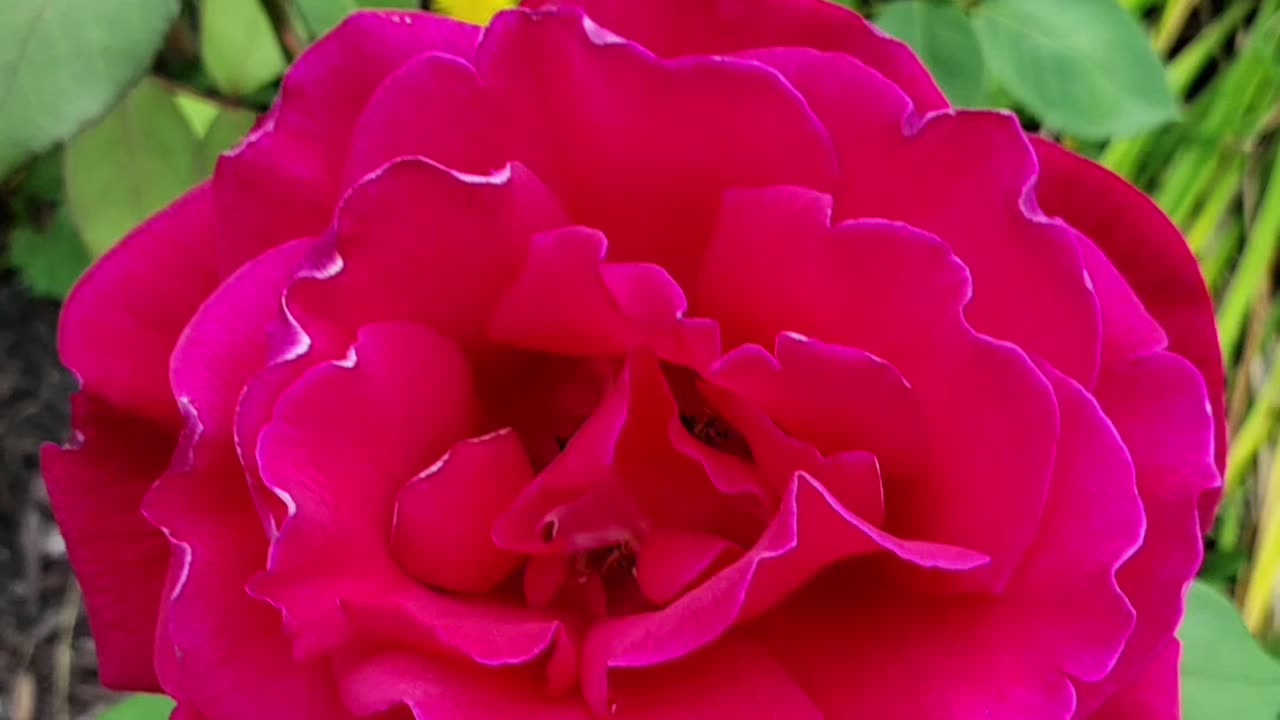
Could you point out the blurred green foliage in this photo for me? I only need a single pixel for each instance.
(110, 110)
(141, 707)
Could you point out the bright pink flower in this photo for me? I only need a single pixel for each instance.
(678, 359)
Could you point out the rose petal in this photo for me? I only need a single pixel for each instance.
(621, 475)
(1153, 696)
(1159, 405)
(217, 642)
(671, 561)
(693, 128)
(219, 648)
(227, 341)
(776, 264)
(810, 533)
(343, 441)
(859, 641)
(1152, 255)
(1093, 522)
(285, 179)
(186, 712)
(568, 301)
(96, 486)
(257, 403)
(715, 27)
(838, 398)
(475, 632)
(122, 319)
(735, 678)
(442, 530)
(433, 107)
(434, 688)
(386, 261)
(977, 172)
(777, 456)
(1128, 331)
(417, 241)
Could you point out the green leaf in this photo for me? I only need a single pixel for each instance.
(226, 131)
(238, 45)
(137, 160)
(49, 260)
(321, 16)
(1224, 672)
(1085, 67)
(217, 125)
(944, 39)
(141, 707)
(41, 180)
(199, 110)
(64, 62)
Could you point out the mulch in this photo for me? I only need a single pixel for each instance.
(48, 668)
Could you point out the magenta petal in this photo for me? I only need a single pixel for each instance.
(435, 688)
(1159, 405)
(285, 179)
(253, 412)
(139, 297)
(977, 172)
(735, 678)
(544, 575)
(584, 468)
(775, 264)
(568, 301)
(418, 241)
(1152, 696)
(433, 107)
(622, 475)
(810, 533)
(229, 340)
(671, 561)
(442, 531)
(1128, 331)
(1029, 281)
(838, 398)
(343, 441)
(715, 27)
(1065, 598)
(473, 631)
(216, 640)
(1151, 254)
(857, 642)
(96, 486)
(693, 128)
(220, 650)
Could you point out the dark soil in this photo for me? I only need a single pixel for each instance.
(47, 661)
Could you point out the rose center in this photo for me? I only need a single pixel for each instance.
(597, 581)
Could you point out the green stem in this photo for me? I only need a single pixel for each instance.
(1226, 189)
(1218, 256)
(1266, 558)
(1256, 262)
(1187, 65)
(1124, 157)
(1172, 21)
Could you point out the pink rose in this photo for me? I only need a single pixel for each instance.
(682, 359)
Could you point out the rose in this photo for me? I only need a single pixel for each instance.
(717, 371)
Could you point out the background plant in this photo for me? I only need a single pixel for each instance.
(110, 110)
